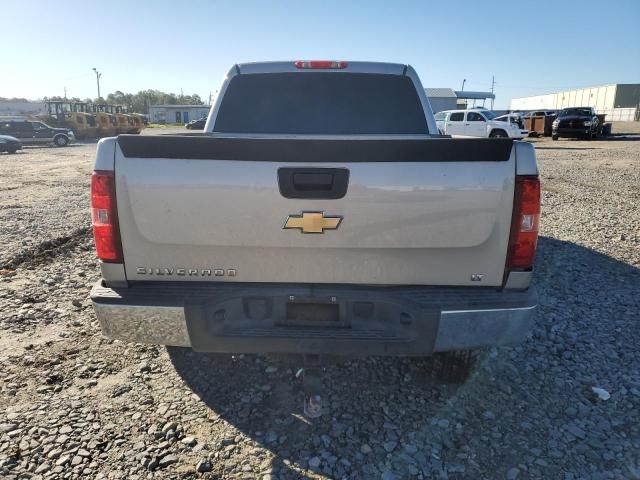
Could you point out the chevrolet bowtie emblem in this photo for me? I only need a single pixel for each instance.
(313, 222)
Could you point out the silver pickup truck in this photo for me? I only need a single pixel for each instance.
(319, 212)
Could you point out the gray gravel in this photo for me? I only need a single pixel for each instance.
(76, 405)
(43, 197)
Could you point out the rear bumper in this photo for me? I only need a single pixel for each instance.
(258, 318)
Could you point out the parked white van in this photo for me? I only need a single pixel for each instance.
(477, 123)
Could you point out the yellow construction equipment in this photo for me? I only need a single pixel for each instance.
(122, 122)
(103, 122)
(131, 124)
(106, 124)
(107, 121)
(139, 121)
(82, 109)
(89, 120)
(63, 114)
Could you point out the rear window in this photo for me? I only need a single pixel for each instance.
(320, 103)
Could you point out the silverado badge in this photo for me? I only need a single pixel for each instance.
(313, 222)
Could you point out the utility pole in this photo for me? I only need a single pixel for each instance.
(98, 75)
(463, 82)
(493, 84)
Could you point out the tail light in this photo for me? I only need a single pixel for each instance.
(104, 217)
(524, 223)
(321, 64)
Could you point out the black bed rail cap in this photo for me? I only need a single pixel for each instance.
(301, 150)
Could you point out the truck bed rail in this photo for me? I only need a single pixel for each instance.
(305, 150)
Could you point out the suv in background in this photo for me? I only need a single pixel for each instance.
(36, 133)
(577, 122)
(477, 123)
(196, 124)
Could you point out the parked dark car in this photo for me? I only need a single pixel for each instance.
(577, 122)
(9, 144)
(36, 133)
(196, 124)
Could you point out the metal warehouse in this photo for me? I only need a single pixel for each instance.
(177, 113)
(442, 99)
(619, 101)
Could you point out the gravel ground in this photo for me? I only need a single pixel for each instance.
(76, 405)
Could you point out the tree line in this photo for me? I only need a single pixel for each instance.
(139, 102)
(13, 99)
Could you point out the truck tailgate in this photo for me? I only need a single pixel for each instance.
(422, 212)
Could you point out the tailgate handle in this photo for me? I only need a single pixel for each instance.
(303, 182)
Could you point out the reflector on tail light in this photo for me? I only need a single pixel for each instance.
(524, 223)
(321, 64)
(104, 218)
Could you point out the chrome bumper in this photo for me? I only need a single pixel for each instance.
(464, 329)
(141, 320)
(143, 324)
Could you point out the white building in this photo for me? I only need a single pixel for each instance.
(20, 108)
(442, 99)
(449, 99)
(619, 101)
(177, 113)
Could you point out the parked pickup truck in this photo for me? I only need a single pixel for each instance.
(477, 123)
(576, 123)
(319, 212)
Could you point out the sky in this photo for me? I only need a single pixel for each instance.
(530, 47)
